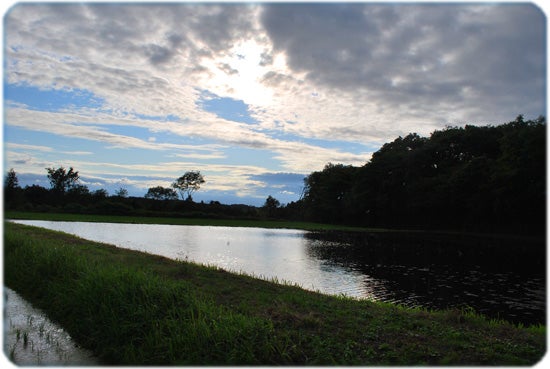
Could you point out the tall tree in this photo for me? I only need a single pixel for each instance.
(61, 180)
(121, 192)
(11, 182)
(271, 205)
(188, 183)
(12, 191)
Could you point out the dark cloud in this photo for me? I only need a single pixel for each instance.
(219, 25)
(415, 54)
(159, 54)
(227, 69)
(322, 38)
(266, 59)
(275, 79)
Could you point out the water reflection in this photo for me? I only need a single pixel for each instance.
(501, 280)
(413, 271)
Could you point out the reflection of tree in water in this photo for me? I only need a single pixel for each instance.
(495, 253)
(443, 272)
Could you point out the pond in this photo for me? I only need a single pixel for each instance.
(499, 277)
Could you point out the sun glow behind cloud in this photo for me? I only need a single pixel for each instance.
(239, 74)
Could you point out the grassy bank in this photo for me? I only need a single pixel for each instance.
(308, 226)
(132, 308)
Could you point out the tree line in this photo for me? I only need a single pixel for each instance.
(68, 194)
(478, 178)
(490, 178)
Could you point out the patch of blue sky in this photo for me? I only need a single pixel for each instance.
(27, 179)
(154, 136)
(325, 143)
(226, 108)
(50, 100)
(343, 146)
(60, 150)
(130, 157)
(252, 157)
(281, 178)
(22, 136)
(283, 186)
(141, 133)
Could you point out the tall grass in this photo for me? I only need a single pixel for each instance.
(131, 316)
(132, 308)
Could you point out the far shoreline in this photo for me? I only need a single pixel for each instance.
(254, 223)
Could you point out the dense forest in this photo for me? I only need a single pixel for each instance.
(475, 178)
(490, 178)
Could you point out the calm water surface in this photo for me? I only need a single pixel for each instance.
(336, 265)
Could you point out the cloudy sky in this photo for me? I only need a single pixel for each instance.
(255, 96)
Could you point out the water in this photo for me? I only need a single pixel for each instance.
(30, 338)
(412, 271)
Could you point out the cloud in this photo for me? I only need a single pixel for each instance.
(370, 65)
(16, 146)
(25, 162)
(425, 60)
(287, 186)
(91, 125)
(309, 76)
(213, 155)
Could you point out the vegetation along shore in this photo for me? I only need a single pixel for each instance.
(132, 308)
(222, 222)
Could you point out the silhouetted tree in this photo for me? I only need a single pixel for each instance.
(100, 194)
(489, 178)
(12, 191)
(36, 194)
(11, 182)
(188, 183)
(161, 193)
(271, 205)
(121, 192)
(78, 190)
(327, 193)
(61, 179)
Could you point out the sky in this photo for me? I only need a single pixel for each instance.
(255, 96)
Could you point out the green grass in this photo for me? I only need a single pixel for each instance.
(133, 308)
(307, 226)
(182, 221)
